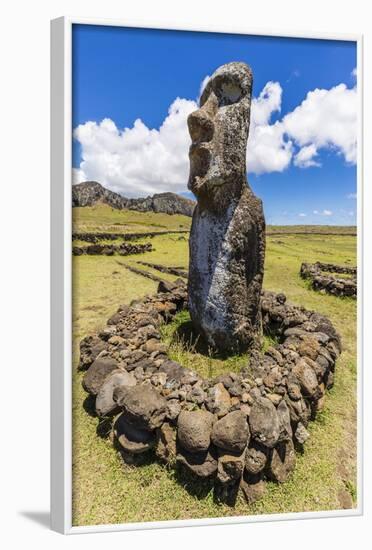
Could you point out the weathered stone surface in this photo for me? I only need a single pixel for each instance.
(173, 370)
(283, 461)
(218, 401)
(252, 491)
(166, 446)
(227, 239)
(131, 438)
(202, 464)
(97, 374)
(144, 405)
(105, 404)
(230, 467)
(231, 432)
(90, 348)
(284, 421)
(264, 422)
(301, 433)
(194, 430)
(307, 378)
(256, 458)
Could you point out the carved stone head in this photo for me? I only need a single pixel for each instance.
(219, 133)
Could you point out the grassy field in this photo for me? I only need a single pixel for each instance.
(105, 490)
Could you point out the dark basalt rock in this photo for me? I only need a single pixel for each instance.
(131, 438)
(256, 458)
(283, 461)
(202, 464)
(264, 422)
(194, 430)
(227, 239)
(105, 404)
(97, 373)
(145, 406)
(330, 282)
(231, 432)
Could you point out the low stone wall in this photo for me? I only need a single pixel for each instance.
(124, 249)
(96, 237)
(331, 284)
(239, 429)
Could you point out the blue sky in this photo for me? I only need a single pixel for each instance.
(305, 174)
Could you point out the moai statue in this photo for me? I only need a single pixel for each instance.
(227, 239)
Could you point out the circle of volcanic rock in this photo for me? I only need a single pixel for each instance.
(239, 429)
(323, 277)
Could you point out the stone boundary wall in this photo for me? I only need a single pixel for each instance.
(239, 429)
(338, 286)
(96, 237)
(124, 249)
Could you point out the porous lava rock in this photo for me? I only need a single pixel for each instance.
(227, 238)
(238, 428)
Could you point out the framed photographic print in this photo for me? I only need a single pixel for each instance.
(206, 287)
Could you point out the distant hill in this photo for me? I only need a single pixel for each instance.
(90, 193)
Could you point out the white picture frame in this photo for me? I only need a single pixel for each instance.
(61, 288)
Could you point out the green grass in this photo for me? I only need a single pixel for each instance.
(103, 218)
(106, 491)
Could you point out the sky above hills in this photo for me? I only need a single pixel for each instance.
(134, 88)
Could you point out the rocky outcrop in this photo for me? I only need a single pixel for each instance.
(324, 278)
(227, 238)
(240, 429)
(90, 193)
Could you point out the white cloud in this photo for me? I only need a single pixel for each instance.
(326, 119)
(315, 212)
(302, 215)
(351, 196)
(78, 176)
(267, 151)
(139, 161)
(354, 73)
(305, 157)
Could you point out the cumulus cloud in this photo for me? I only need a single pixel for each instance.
(305, 157)
(351, 196)
(326, 119)
(302, 215)
(139, 161)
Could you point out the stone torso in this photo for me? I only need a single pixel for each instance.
(226, 270)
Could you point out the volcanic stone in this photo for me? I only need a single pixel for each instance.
(166, 447)
(202, 464)
(131, 438)
(306, 377)
(256, 458)
(264, 422)
(284, 421)
(194, 430)
(218, 401)
(230, 467)
(105, 404)
(144, 405)
(283, 461)
(227, 239)
(231, 432)
(97, 374)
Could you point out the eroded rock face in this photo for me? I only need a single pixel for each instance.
(227, 239)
